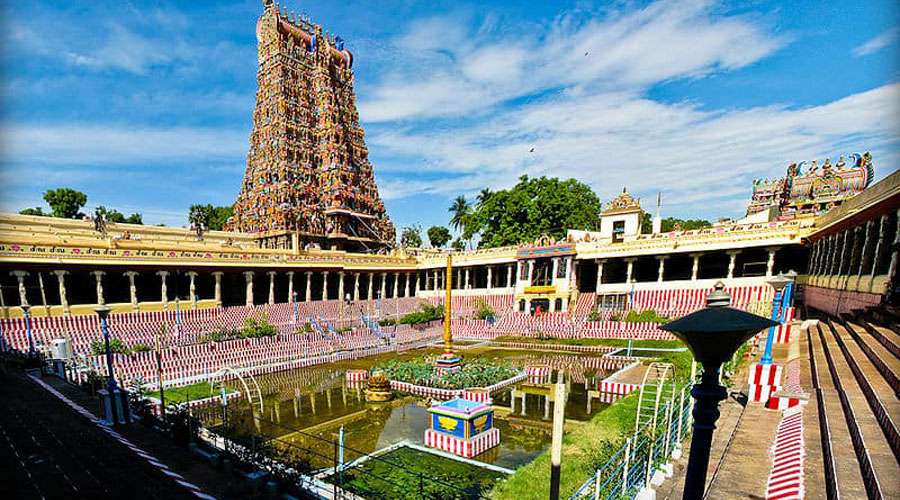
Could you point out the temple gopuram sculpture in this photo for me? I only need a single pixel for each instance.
(812, 189)
(308, 171)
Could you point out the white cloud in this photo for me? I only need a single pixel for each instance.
(877, 43)
(450, 70)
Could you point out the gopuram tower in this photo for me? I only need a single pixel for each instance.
(308, 171)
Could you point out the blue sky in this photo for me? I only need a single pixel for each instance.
(146, 106)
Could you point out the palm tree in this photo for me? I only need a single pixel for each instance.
(483, 196)
(460, 212)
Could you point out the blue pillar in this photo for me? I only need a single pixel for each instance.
(770, 338)
(296, 309)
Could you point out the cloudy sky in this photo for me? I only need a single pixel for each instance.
(146, 106)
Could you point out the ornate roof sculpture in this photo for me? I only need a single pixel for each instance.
(624, 203)
(308, 168)
(813, 189)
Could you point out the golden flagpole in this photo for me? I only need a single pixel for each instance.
(447, 309)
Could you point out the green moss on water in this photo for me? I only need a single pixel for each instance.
(408, 473)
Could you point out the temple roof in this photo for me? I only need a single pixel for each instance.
(624, 203)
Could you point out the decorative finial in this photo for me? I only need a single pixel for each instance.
(718, 297)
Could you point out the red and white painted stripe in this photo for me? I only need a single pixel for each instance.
(763, 380)
(791, 394)
(619, 388)
(462, 447)
(788, 455)
(357, 375)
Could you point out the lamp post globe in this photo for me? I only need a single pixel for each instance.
(713, 335)
(778, 283)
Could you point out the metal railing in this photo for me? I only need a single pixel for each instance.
(632, 466)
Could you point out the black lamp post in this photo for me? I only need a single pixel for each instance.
(103, 313)
(713, 334)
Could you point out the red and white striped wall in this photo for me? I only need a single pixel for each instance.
(763, 380)
(785, 479)
(357, 375)
(467, 448)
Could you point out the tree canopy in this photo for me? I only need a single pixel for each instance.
(33, 211)
(530, 209)
(210, 217)
(411, 237)
(65, 202)
(668, 223)
(113, 215)
(438, 236)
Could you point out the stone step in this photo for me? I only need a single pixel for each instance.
(881, 457)
(848, 477)
(814, 464)
(877, 355)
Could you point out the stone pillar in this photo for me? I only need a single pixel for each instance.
(132, 289)
(855, 251)
(248, 294)
(396, 285)
(467, 279)
(490, 277)
(271, 286)
(418, 283)
(866, 252)
(843, 256)
(324, 285)
(218, 293)
(892, 268)
(435, 282)
(509, 275)
(406, 285)
(835, 253)
(355, 287)
(600, 263)
(308, 294)
(662, 268)
(555, 269)
(572, 274)
(20, 277)
(695, 270)
(370, 285)
(341, 276)
(164, 290)
(629, 270)
(98, 279)
(193, 289)
(770, 264)
(879, 245)
(290, 275)
(383, 285)
(530, 271)
(63, 298)
(732, 262)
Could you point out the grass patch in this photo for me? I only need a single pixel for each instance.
(421, 371)
(407, 473)
(200, 390)
(584, 449)
(654, 344)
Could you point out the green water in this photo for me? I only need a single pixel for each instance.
(305, 408)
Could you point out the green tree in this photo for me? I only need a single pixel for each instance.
(458, 244)
(113, 215)
(459, 212)
(411, 237)
(219, 217)
(65, 202)
(438, 236)
(33, 211)
(211, 217)
(483, 196)
(135, 218)
(668, 223)
(532, 208)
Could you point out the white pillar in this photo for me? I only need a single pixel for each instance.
(770, 265)
(490, 277)
(370, 285)
(248, 293)
(132, 289)
(406, 285)
(435, 284)
(290, 275)
(308, 296)
(555, 269)
(98, 278)
(695, 270)
(218, 293)
(600, 263)
(467, 286)
(271, 286)
(509, 276)
(324, 285)
(383, 285)
(355, 287)
(418, 283)
(732, 262)
(20, 278)
(530, 271)
(63, 298)
(396, 285)
(341, 285)
(629, 271)
(662, 268)
(892, 268)
(193, 288)
(163, 289)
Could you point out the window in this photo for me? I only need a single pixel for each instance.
(557, 305)
(618, 231)
(522, 306)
